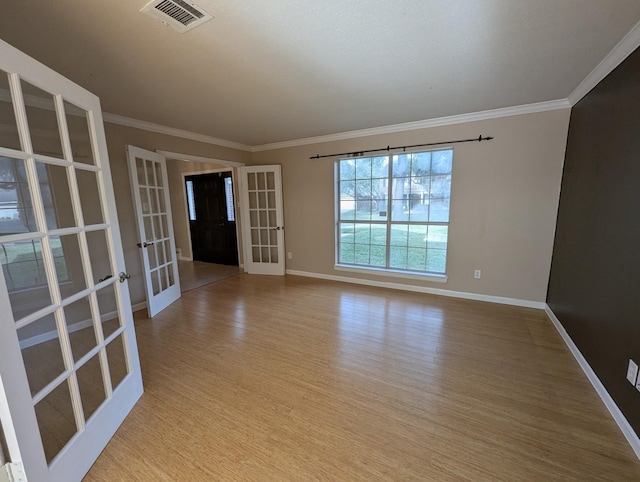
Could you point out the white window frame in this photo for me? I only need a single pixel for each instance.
(389, 222)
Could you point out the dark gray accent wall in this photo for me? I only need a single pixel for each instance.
(594, 286)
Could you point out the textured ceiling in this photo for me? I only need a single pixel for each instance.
(263, 72)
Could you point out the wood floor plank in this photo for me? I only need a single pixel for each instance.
(290, 378)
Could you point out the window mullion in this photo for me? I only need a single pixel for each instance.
(389, 207)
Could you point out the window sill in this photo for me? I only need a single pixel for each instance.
(436, 278)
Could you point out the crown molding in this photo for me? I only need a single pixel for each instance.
(423, 124)
(172, 131)
(200, 159)
(620, 52)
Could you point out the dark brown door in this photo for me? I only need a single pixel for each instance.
(212, 218)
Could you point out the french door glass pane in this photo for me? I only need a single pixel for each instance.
(43, 123)
(56, 197)
(41, 352)
(80, 327)
(153, 197)
(56, 421)
(117, 361)
(16, 206)
(251, 181)
(9, 132)
(91, 386)
(25, 277)
(99, 254)
(108, 310)
(89, 197)
(158, 174)
(150, 170)
(68, 263)
(155, 282)
(151, 252)
(78, 126)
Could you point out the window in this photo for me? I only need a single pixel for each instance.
(228, 194)
(191, 203)
(393, 211)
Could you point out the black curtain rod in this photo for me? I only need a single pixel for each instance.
(404, 148)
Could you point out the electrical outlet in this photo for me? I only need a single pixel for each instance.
(289, 255)
(632, 372)
(477, 273)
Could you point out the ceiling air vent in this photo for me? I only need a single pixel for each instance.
(180, 15)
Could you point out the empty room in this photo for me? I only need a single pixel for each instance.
(295, 240)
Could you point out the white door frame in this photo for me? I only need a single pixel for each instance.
(226, 166)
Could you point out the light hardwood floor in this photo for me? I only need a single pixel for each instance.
(290, 378)
(195, 274)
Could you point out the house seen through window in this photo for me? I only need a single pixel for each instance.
(393, 211)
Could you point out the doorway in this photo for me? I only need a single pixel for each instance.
(212, 217)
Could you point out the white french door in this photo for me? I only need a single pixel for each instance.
(262, 219)
(69, 368)
(150, 189)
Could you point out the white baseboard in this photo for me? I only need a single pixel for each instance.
(423, 289)
(615, 412)
(50, 335)
(139, 306)
(185, 258)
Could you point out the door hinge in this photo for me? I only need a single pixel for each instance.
(12, 472)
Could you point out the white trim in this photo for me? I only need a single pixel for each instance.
(423, 289)
(171, 131)
(615, 412)
(407, 126)
(436, 278)
(12, 472)
(139, 306)
(185, 258)
(204, 160)
(423, 124)
(620, 52)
